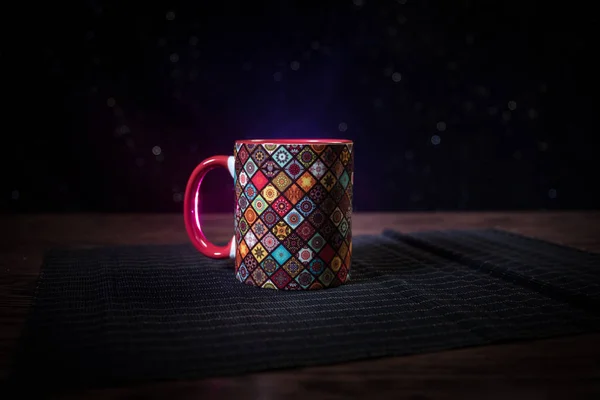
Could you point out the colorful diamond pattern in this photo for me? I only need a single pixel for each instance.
(243, 203)
(326, 277)
(345, 156)
(269, 285)
(293, 218)
(270, 242)
(243, 226)
(282, 206)
(306, 206)
(318, 169)
(260, 155)
(307, 157)
(270, 218)
(344, 179)
(269, 265)
(250, 239)
(281, 254)
(294, 149)
(259, 180)
(317, 242)
(316, 266)
(328, 180)
(306, 181)
(243, 179)
(305, 278)
(242, 155)
(281, 156)
(281, 230)
(343, 250)
(317, 193)
(259, 252)
(343, 227)
(242, 272)
(294, 194)
(293, 267)
(270, 193)
(328, 157)
(259, 204)
(293, 212)
(317, 218)
(270, 169)
(243, 249)
(336, 263)
(343, 274)
(259, 229)
(282, 181)
(337, 216)
(259, 276)
(305, 230)
(281, 278)
(270, 148)
(338, 168)
(294, 169)
(293, 243)
(250, 191)
(250, 262)
(318, 148)
(305, 255)
(250, 215)
(250, 168)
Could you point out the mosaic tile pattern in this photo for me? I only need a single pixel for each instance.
(293, 215)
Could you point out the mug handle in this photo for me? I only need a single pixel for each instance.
(191, 211)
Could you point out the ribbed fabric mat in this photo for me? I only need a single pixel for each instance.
(111, 316)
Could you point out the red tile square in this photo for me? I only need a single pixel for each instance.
(327, 254)
(259, 180)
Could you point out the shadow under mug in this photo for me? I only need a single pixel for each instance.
(293, 212)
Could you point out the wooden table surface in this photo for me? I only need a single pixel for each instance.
(561, 368)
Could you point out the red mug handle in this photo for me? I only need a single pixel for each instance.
(191, 211)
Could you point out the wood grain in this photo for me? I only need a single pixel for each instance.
(556, 368)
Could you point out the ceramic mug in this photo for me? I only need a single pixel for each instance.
(293, 212)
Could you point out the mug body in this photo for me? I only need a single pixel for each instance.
(293, 216)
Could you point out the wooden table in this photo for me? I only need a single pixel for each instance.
(558, 368)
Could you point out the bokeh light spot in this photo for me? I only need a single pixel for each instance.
(532, 113)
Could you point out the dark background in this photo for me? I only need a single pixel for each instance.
(453, 105)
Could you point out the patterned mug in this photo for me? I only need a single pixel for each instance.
(293, 212)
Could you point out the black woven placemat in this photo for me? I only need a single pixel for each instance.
(110, 316)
